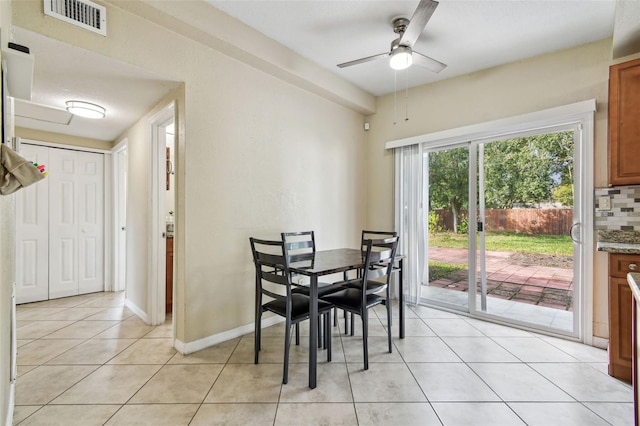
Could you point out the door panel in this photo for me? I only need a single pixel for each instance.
(91, 222)
(60, 226)
(63, 247)
(529, 278)
(448, 198)
(32, 234)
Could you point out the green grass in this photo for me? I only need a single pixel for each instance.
(509, 241)
(439, 270)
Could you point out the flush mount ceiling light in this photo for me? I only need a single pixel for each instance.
(401, 58)
(85, 109)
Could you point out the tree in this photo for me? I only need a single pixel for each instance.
(449, 181)
(564, 194)
(517, 172)
(525, 171)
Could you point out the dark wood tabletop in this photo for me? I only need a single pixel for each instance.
(327, 262)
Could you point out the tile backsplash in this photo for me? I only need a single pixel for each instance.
(624, 211)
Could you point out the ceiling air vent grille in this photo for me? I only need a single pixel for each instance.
(85, 14)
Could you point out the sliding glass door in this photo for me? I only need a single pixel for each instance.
(500, 215)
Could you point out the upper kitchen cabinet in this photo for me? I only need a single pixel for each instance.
(624, 123)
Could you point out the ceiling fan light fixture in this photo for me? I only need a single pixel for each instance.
(401, 58)
(85, 109)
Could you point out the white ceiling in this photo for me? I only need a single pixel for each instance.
(63, 72)
(467, 35)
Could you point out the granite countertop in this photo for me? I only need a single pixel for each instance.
(625, 242)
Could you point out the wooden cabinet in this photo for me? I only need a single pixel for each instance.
(620, 313)
(169, 272)
(624, 124)
(633, 282)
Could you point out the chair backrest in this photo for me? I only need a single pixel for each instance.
(299, 246)
(272, 268)
(379, 258)
(375, 235)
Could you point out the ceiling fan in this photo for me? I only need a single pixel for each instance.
(401, 55)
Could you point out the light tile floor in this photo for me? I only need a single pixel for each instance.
(87, 360)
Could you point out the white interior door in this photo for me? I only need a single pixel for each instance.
(63, 218)
(60, 226)
(90, 183)
(32, 234)
(76, 217)
(121, 219)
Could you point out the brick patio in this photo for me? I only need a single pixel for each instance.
(536, 285)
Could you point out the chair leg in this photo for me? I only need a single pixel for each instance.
(346, 324)
(389, 324)
(297, 334)
(320, 317)
(353, 329)
(257, 335)
(365, 336)
(287, 343)
(327, 335)
(335, 317)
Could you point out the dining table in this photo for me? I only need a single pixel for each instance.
(327, 262)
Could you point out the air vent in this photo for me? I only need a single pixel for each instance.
(85, 14)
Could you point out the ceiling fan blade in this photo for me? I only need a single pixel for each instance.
(363, 60)
(418, 21)
(427, 62)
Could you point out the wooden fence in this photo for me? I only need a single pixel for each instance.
(526, 221)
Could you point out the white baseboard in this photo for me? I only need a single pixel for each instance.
(136, 310)
(214, 339)
(600, 342)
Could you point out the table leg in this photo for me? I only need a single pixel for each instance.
(401, 298)
(313, 331)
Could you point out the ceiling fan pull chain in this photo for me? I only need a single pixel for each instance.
(395, 97)
(406, 96)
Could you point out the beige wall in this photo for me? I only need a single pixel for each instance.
(526, 86)
(259, 155)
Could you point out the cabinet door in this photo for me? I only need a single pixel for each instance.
(624, 125)
(620, 338)
(32, 234)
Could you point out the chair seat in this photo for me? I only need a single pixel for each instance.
(372, 286)
(323, 288)
(350, 299)
(299, 307)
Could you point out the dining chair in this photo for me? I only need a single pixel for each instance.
(273, 282)
(366, 235)
(301, 247)
(371, 289)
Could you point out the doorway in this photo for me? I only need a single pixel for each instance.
(501, 212)
(163, 250)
